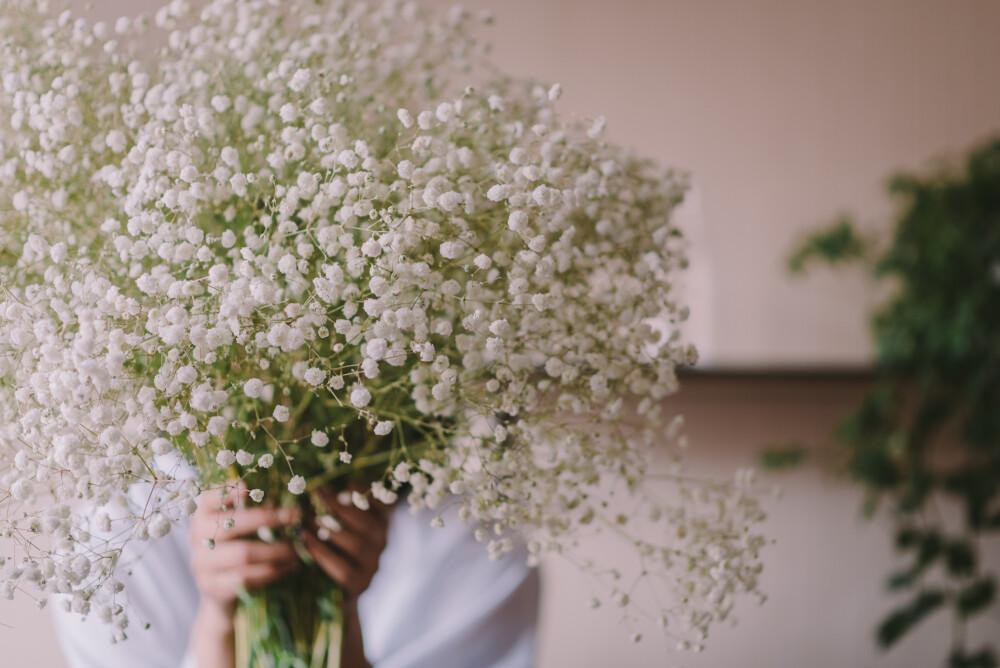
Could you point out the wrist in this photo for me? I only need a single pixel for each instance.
(349, 605)
(352, 653)
(213, 636)
(214, 618)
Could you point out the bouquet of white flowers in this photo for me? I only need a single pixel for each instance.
(289, 242)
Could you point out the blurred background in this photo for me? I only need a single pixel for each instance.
(786, 113)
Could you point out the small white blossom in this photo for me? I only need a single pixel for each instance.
(314, 376)
(371, 248)
(449, 200)
(360, 501)
(225, 458)
(517, 221)
(221, 103)
(360, 396)
(189, 174)
(500, 327)
(444, 112)
(116, 141)
(238, 182)
(297, 484)
(288, 113)
(496, 193)
(161, 446)
(217, 425)
(426, 120)
(300, 80)
(230, 156)
(159, 526)
(20, 201)
(597, 128)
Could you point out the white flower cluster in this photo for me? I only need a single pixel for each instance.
(293, 219)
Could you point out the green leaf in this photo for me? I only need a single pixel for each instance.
(838, 243)
(908, 537)
(916, 490)
(929, 547)
(875, 466)
(976, 597)
(959, 558)
(898, 623)
(984, 658)
(870, 504)
(780, 458)
(901, 579)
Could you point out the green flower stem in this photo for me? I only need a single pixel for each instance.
(294, 623)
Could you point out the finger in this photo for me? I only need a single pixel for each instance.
(238, 553)
(227, 496)
(344, 498)
(336, 565)
(373, 536)
(349, 543)
(374, 505)
(245, 521)
(250, 520)
(227, 584)
(352, 517)
(259, 575)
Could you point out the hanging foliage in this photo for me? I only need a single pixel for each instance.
(930, 427)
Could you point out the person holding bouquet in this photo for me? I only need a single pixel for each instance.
(413, 596)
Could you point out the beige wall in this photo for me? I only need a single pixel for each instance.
(787, 112)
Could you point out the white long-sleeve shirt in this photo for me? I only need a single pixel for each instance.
(437, 601)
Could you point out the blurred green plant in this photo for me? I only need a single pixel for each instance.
(930, 427)
(782, 457)
(837, 244)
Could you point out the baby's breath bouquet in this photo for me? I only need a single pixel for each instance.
(311, 242)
